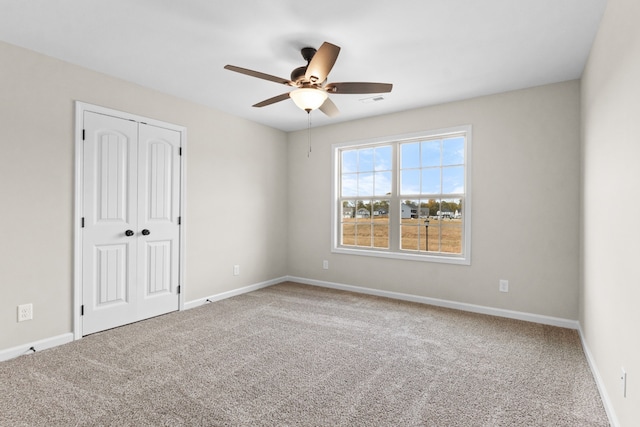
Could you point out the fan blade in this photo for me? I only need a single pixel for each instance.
(259, 75)
(329, 108)
(322, 62)
(358, 87)
(272, 100)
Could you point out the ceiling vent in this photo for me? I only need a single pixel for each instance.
(369, 100)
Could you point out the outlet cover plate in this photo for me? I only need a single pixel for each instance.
(25, 312)
(504, 285)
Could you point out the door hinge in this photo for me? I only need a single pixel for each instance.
(83, 134)
(82, 310)
(179, 220)
(82, 223)
(178, 289)
(180, 151)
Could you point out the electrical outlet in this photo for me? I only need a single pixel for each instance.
(504, 285)
(623, 382)
(236, 270)
(25, 312)
(325, 264)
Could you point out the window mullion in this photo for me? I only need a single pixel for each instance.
(394, 201)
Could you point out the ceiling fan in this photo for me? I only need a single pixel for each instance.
(312, 90)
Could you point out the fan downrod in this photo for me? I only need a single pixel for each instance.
(307, 53)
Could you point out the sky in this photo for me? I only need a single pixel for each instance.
(427, 168)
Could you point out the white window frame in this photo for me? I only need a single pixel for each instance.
(394, 223)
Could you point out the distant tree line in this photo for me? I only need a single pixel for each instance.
(433, 206)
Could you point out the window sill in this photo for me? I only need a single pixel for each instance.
(443, 259)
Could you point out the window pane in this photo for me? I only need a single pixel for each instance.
(453, 180)
(363, 212)
(410, 156)
(365, 160)
(409, 209)
(449, 208)
(382, 158)
(349, 185)
(349, 233)
(363, 237)
(348, 209)
(382, 183)
(365, 184)
(431, 181)
(408, 240)
(451, 240)
(408, 224)
(449, 224)
(381, 208)
(431, 153)
(381, 234)
(410, 234)
(432, 207)
(432, 235)
(453, 151)
(423, 212)
(381, 223)
(422, 241)
(349, 161)
(410, 181)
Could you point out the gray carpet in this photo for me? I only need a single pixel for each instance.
(295, 355)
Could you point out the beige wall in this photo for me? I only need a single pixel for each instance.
(610, 267)
(525, 204)
(235, 168)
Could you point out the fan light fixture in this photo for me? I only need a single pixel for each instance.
(308, 99)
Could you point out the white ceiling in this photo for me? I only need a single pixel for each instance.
(433, 51)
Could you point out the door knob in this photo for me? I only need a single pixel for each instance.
(129, 233)
(145, 232)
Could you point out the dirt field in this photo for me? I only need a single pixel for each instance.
(444, 235)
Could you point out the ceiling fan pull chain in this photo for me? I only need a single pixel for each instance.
(309, 132)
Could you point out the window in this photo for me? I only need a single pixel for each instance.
(404, 197)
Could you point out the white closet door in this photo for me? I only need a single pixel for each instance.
(130, 237)
(158, 211)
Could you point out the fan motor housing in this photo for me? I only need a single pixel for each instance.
(297, 75)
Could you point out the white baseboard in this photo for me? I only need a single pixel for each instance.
(606, 401)
(529, 317)
(35, 346)
(233, 293)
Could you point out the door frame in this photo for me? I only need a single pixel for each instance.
(80, 109)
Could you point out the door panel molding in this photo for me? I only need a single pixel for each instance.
(110, 288)
(112, 154)
(159, 209)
